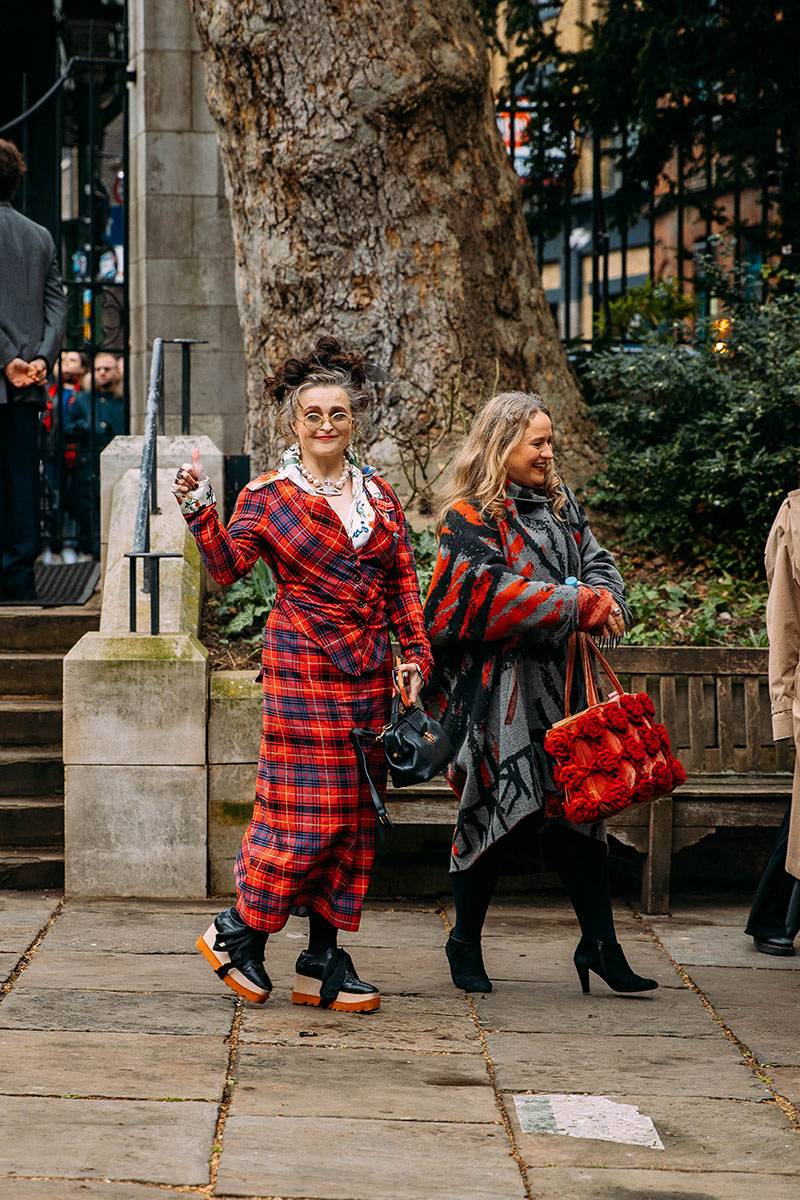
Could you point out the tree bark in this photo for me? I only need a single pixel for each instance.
(372, 199)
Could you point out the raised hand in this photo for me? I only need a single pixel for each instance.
(189, 476)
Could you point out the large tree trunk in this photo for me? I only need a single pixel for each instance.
(372, 199)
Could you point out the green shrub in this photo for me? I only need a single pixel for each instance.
(703, 446)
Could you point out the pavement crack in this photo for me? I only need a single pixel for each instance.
(505, 1120)
(28, 955)
(227, 1095)
(760, 1070)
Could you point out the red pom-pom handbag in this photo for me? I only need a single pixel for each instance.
(613, 754)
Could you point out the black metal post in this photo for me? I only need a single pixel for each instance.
(623, 233)
(596, 193)
(126, 310)
(132, 594)
(92, 273)
(680, 213)
(155, 596)
(186, 387)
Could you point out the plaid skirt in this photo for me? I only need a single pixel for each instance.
(311, 841)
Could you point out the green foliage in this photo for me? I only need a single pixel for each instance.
(691, 611)
(243, 607)
(655, 311)
(701, 446)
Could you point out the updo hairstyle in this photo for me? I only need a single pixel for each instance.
(328, 365)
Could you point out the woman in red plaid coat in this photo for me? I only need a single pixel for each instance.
(336, 540)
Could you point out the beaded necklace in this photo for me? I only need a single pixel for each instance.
(326, 487)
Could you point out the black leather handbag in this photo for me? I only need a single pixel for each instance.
(416, 747)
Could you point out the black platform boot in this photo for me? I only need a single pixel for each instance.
(607, 960)
(466, 965)
(236, 952)
(329, 980)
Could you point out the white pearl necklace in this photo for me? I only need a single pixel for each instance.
(326, 487)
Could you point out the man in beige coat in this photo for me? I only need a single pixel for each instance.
(768, 919)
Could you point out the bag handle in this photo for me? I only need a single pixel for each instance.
(355, 736)
(587, 644)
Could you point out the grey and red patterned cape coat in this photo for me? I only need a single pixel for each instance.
(499, 615)
(326, 667)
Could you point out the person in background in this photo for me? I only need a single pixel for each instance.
(109, 422)
(32, 315)
(774, 918)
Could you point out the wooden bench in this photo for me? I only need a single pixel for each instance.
(715, 703)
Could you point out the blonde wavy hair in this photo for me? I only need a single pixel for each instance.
(478, 472)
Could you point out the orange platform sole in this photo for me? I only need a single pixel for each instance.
(306, 991)
(235, 980)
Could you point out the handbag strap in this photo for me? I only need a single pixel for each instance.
(587, 644)
(355, 737)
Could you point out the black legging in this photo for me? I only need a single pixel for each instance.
(581, 862)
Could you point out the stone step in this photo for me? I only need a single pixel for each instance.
(27, 721)
(31, 771)
(25, 673)
(47, 630)
(31, 869)
(31, 821)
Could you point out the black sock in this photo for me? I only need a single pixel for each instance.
(321, 934)
(582, 864)
(472, 892)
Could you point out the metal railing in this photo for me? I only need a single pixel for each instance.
(147, 504)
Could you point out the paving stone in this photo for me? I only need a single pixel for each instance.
(428, 1024)
(124, 1012)
(15, 940)
(7, 964)
(717, 946)
(43, 1189)
(662, 1066)
(366, 1160)
(134, 1066)
(130, 927)
(761, 1007)
(724, 1135)
(347, 1083)
(125, 1139)
(598, 1183)
(561, 1007)
(185, 973)
(550, 958)
(709, 910)
(786, 1081)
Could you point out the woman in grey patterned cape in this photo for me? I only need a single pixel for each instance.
(518, 571)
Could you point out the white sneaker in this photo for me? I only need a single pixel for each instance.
(68, 555)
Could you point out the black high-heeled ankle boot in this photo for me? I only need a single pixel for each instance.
(607, 960)
(466, 965)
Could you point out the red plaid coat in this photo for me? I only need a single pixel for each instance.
(326, 667)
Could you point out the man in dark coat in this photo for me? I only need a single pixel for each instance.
(32, 315)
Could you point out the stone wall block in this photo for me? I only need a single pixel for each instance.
(168, 90)
(167, 224)
(201, 117)
(231, 790)
(174, 159)
(162, 26)
(131, 699)
(234, 717)
(136, 831)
